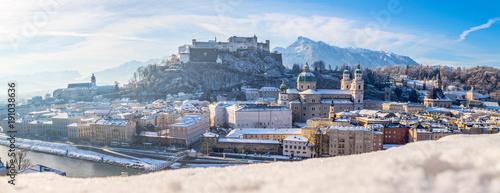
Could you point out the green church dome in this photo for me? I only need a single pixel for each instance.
(306, 77)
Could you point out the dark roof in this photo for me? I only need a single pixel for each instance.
(40, 168)
(436, 93)
(77, 85)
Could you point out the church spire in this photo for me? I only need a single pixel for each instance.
(306, 67)
(332, 111)
(438, 83)
(92, 80)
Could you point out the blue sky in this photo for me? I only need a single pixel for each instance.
(91, 35)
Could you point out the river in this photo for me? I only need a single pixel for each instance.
(73, 167)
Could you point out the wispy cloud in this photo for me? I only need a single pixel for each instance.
(106, 34)
(484, 26)
(74, 34)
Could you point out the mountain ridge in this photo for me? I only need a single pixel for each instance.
(305, 49)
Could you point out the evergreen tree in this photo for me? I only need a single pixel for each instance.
(413, 96)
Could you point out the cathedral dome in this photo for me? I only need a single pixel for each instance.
(306, 77)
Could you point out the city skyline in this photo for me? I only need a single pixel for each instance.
(93, 36)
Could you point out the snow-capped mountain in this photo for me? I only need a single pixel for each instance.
(306, 49)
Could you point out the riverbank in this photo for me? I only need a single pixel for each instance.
(70, 151)
(458, 163)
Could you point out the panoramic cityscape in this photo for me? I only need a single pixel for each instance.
(234, 96)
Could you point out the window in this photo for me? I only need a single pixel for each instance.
(304, 108)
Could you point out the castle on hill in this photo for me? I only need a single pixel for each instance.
(209, 51)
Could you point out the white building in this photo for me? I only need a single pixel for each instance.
(298, 146)
(252, 94)
(218, 113)
(259, 116)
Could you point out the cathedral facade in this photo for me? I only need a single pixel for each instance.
(306, 101)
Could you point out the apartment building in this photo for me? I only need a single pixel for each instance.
(189, 127)
(350, 140)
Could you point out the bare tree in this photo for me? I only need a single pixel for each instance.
(21, 160)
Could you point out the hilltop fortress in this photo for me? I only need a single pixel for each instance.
(209, 51)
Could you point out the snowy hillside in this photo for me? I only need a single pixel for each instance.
(459, 163)
(306, 49)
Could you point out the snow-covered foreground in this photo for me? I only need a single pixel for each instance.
(73, 152)
(460, 163)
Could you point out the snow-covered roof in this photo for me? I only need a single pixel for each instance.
(333, 91)
(269, 88)
(234, 140)
(441, 131)
(78, 125)
(236, 133)
(210, 134)
(66, 116)
(309, 91)
(292, 91)
(118, 122)
(257, 107)
(40, 169)
(296, 138)
(365, 112)
(349, 128)
(188, 120)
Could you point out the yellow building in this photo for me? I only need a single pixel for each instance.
(378, 140)
(350, 140)
(106, 131)
(60, 123)
(189, 127)
(80, 131)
